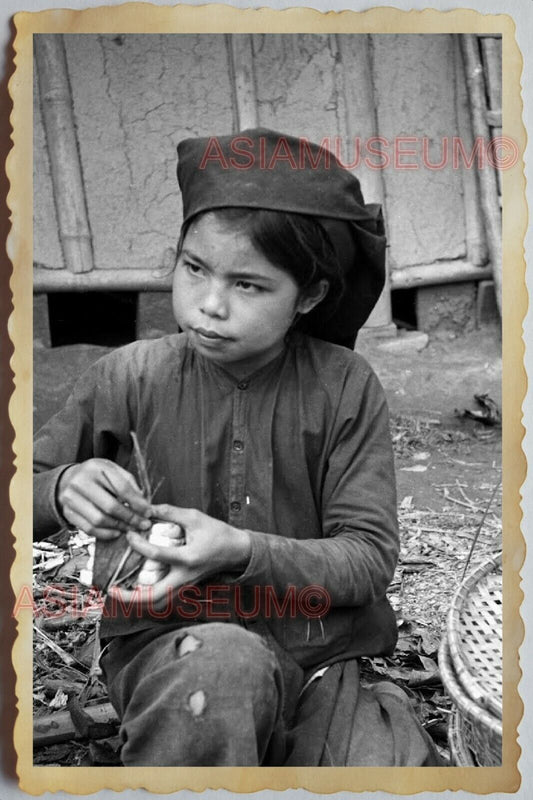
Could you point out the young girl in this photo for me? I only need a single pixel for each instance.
(272, 444)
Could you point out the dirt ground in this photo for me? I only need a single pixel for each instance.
(448, 477)
(433, 385)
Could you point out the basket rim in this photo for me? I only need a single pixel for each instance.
(459, 751)
(467, 680)
(466, 705)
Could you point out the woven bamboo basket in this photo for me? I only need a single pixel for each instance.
(470, 660)
(461, 755)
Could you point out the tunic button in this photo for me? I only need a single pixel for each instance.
(243, 385)
(238, 445)
(235, 506)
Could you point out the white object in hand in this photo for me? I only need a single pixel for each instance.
(86, 574)
(163, 534)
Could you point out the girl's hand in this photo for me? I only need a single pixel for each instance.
(102, 499)
(211, 546)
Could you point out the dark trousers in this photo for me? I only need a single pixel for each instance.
(216, 694)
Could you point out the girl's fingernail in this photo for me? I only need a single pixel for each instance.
(145, 524)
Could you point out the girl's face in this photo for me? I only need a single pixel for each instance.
(234, 305)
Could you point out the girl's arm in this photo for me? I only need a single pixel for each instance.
(76, 482)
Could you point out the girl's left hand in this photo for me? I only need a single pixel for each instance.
(211, 546)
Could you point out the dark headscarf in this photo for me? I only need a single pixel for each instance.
(260, 168)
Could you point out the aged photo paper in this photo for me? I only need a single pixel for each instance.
(40, 238)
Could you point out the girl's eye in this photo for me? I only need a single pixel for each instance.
(193, 269)
(246, 286)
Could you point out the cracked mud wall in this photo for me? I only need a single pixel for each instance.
(415, 96)
(136, 96)
(296, 87)
(300, 90)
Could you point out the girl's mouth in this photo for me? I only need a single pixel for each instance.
(209, 334)
(209, 337)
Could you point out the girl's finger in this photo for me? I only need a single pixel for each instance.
(132, 495)
(79, 521)
(122, 485)
(186, 517)
(166, 555)
(91, 507)
(106, 511)
(106, 534)
(144, 595)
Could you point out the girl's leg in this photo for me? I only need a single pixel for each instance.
(205, 695)
(340, 723)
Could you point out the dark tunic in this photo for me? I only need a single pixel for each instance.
(299, 453)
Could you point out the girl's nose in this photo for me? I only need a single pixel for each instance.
(214, 303)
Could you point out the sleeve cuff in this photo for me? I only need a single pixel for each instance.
(47, 516)
(258, 567)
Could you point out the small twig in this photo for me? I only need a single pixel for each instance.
(434, 530)
(469, 505)
(113, 579)
(470, 535)
(478, 531)
(141, 467)
(157, 487)
(465, 463)
(462, 493)
(69, 660)
(111, 484)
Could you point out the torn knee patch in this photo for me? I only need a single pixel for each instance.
(196, 703)
(188, 645)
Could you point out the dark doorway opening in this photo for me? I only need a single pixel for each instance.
(403, 303)
(103, 318)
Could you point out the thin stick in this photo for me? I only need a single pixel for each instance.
(128, 551)
(463, 495)
(110, 482)
(140, 462)
(491, 498)
(447, 496)
(113, 579)
(69, 660)
(141, 467)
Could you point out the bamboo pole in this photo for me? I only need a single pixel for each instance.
(492, 62)
(438, 272)
(476, 244)
(494, 119)
(127, 280)
(138, 280)
(59, 125)
(487, 175)
(241, 61)
(492, 57)
(355, 58)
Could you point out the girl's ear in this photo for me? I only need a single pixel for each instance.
(312, 296)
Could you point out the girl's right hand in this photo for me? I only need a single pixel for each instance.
(102, 499)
